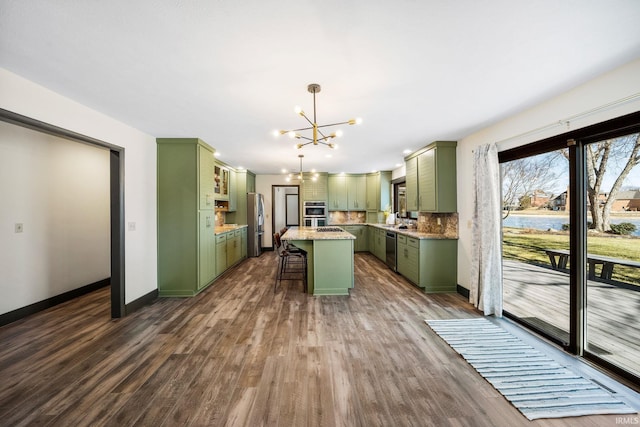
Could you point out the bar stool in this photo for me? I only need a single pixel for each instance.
(292, 265)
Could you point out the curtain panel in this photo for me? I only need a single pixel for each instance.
(486, 257)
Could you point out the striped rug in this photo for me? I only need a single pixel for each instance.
(533, 382)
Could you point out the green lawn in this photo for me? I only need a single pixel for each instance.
(529, 247)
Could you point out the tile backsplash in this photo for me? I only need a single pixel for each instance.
(438, 223)
(347, 217)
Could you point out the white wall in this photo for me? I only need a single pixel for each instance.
(29, 99)
(59, 191)
(545, 120)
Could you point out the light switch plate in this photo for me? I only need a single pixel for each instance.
(19, 227)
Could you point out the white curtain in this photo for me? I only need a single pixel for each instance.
(486, 257)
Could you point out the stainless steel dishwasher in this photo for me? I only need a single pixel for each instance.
(391, 250)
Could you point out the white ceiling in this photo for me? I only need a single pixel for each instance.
(231, 71)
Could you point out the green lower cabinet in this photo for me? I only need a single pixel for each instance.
(336, 256)
(431, 264)
(234, 250)
(360, 231)
(207, 249)
(329, 265)
(380, 244)
(221, 253)
(243, 243)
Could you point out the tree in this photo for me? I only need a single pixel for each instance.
(623, 153)
(522, 177)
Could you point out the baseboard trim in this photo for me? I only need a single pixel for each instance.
(137, 304)
(34, 308)
(462, 291)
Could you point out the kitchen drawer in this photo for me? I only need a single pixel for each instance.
(221, 238)
(237, 233)
(413, 242)
(402, 239)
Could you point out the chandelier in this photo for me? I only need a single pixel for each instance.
(300, 175)
(318, 136)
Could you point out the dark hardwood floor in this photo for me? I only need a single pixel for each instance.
(238, 354)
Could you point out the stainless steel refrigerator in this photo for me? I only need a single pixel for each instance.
(255, 222)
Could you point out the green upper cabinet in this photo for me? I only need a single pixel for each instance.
(411, 165)
(315, 190)
(431, 178)
(221, 183)
(233, 193)
(378, 191)
(205, 182)
(243, 182)
(186, 243)
(338, 200)
(357, 192)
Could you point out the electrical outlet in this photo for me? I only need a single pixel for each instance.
(132, 226)
(19, 227)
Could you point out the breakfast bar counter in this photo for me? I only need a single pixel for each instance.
(329, 258)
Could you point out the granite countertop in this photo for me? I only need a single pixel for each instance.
(410, 232)
(311, 233)
(228, 227)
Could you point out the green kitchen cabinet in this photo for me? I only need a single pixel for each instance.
(245, 182)
(243, 243)
(431, 264)
(233, 193)
(315, 189)
(378, 243)
(186, 217)
(431, 178)
(221, 181)
(408, 258)
(221, 253)
(234, 247)
(357, 192)
(411, 183)
(378, 190)
(360, 231)
(338, 200)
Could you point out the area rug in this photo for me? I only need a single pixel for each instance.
(533, 382)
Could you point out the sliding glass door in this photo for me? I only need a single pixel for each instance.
(536, 242)
(612, 196)
(571, 241)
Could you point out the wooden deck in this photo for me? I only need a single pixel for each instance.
(541, 296)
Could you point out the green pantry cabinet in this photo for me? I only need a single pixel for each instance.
(186, 216)
(431, 264)
(431, 178)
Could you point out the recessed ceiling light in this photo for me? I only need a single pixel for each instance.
(398, 165)
(216, 154)
(284, 170)
(407, 151)
(374, 171)
(328, 156)
(240, 168)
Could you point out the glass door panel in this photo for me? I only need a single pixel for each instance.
(613, 251)
(535, 246)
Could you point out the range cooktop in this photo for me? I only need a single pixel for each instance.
(329, 229)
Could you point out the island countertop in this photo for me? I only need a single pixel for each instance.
(317, 233)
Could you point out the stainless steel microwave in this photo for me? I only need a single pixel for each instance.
(314, 210)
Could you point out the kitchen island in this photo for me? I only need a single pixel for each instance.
(329, 258)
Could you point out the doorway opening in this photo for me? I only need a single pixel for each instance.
(286, 206)
(116, 198)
